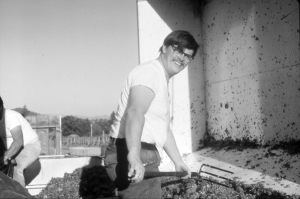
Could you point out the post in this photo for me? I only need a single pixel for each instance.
(58, 150)
(91, 129)
(103, 138)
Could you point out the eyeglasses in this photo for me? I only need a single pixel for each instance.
(188, 58)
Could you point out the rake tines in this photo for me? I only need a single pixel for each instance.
(215, 175)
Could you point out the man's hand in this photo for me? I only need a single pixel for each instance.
(183, 167)
(4, 160)
(136, 167)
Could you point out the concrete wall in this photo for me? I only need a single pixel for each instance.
(252, 69)
(156, 19)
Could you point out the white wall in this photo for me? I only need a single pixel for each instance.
(156, 19)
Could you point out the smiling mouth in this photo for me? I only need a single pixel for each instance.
(178, 63)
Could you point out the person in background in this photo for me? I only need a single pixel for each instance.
(21, 141)
(141, 129)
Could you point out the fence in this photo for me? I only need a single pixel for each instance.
(73, 141)
(48, 128)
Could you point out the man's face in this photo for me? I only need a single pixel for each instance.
(175, 59)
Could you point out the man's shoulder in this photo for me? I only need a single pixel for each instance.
(12, 113)
(153, 63)
(150, 67)
(12, 118)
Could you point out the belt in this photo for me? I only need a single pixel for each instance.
(122, 142)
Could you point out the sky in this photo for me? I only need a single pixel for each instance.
(67, 57)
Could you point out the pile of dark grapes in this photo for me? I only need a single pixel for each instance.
(83, 183)
(88, 183)
(194, 188)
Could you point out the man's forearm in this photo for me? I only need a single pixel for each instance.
(134, 126)
(17, 143)
(13, 150)
(171, 149)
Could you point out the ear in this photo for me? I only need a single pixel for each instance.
(164, 49)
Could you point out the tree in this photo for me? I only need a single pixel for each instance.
(82, 127)
(106, 123)
(73, 125)
(68, 125)
(103, 123)
(24, 111)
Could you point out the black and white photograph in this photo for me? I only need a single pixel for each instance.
(195, 99)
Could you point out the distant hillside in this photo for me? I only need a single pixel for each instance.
(99, 117)
(20, 110)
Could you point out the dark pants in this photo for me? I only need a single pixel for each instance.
(117, 167)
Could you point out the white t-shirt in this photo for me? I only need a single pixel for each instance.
(157, 119)
(13, 119)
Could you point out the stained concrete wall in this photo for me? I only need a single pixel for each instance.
(156, 19)
(252, 69)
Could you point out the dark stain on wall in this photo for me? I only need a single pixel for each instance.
(226, 105)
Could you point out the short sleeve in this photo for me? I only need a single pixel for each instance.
(146, 76)
(12, 121)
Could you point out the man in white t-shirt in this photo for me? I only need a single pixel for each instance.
(20, 140)
(141, 129)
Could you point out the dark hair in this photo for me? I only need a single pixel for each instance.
(183, 39)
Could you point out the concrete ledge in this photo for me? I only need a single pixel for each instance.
(85, 151)
(39, 174)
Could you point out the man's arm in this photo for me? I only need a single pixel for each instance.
(16, 145)
(172, 150)
(139, 102)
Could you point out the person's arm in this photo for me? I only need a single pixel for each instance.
(139, 102)
(171, 149)
(16, 145)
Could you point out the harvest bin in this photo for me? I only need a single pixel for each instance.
(39, 174)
